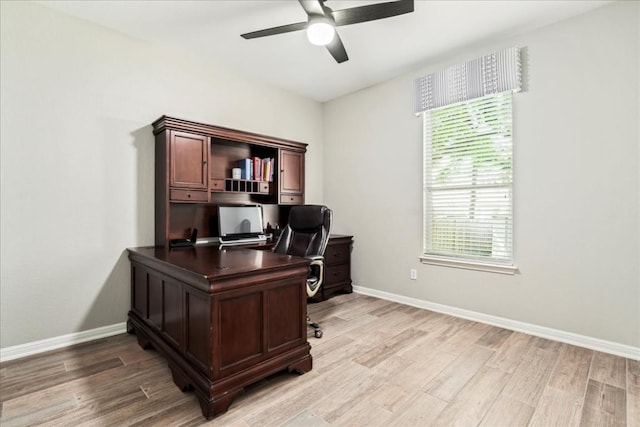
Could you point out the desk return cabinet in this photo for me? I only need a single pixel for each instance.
(337, 279)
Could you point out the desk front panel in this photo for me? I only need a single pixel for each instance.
(258, 323)
(222, 333)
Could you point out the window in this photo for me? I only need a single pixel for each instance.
(468, 183)
(468, 178)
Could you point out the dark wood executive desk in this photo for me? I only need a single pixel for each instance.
(223, 318)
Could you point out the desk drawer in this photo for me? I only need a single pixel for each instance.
(217, 184)
(337, 254)
(189, 196)
(286, 199)
(336, 274)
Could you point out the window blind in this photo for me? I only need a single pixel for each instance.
(468, 182)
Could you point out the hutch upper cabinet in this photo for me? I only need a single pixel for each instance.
(189, 155)
(194, 163)
(291, 177)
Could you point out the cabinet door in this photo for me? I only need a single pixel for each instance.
(189, 155)
(291, 176)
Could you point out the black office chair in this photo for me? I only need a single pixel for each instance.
(307, 235)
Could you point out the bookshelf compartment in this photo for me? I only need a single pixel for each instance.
(244, 186)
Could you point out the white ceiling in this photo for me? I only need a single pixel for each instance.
(378, 50)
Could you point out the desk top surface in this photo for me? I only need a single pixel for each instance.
(212, 262)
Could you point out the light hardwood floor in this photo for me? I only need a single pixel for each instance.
(379, 363)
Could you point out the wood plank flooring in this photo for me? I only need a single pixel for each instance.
(379, 364)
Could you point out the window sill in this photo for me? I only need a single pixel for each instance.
(469, 265)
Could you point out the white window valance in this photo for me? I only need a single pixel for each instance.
(495, 73)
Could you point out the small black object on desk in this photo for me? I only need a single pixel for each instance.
(185, 243)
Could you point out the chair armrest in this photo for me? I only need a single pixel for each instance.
(316, 268)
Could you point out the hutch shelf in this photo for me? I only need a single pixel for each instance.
(241, 186)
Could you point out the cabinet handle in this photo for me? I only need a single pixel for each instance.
(189, 196)
(204, 162)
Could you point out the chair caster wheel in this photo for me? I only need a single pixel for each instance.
(317, 333)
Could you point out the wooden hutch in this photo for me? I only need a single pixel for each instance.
(193, 176)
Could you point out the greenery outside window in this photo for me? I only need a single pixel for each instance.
(468, 184)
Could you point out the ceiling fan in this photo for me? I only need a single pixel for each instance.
(323, 20)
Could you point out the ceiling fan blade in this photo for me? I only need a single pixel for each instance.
(337, 50)
(276, 30)
(312, 7)
(372, 12)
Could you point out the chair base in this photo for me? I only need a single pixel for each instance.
(317, 331)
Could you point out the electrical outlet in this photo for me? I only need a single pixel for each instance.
(413, 274)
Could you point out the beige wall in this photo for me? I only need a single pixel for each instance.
(77, 102)
(76, 172)
(577, 162)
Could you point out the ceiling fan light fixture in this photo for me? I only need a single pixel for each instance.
(320, 31)
(322, 22)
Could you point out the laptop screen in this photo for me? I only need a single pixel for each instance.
(240, 221)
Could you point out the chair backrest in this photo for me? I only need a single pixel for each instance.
(307, 232)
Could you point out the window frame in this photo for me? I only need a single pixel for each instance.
(466, 260)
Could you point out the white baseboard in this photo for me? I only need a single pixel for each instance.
(514, 325)
(28, 349)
